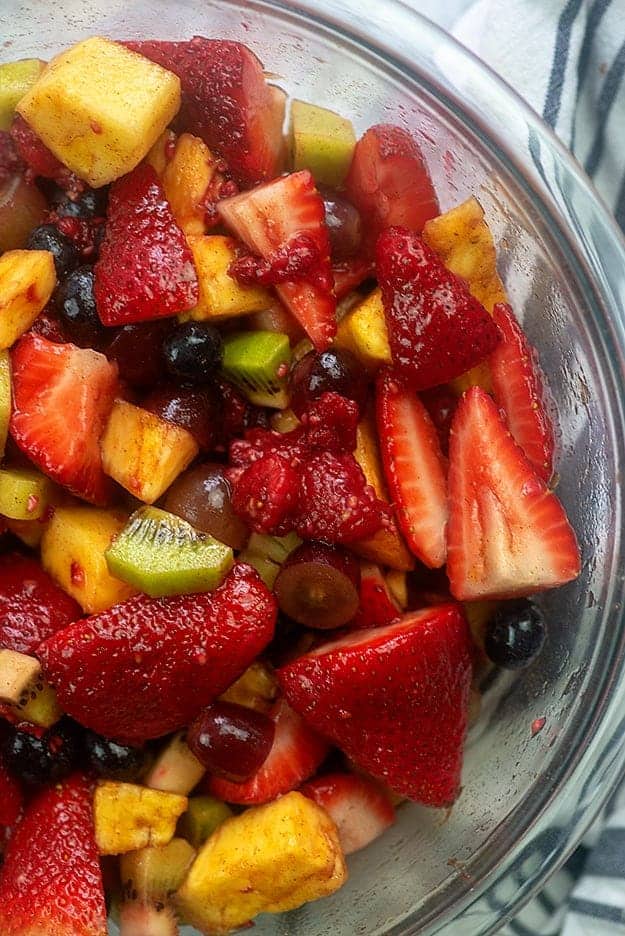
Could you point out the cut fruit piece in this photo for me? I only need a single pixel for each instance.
(256, 688)
(72, 552)
(155, 873)
(359, 808)
(16, 78)
(161, 153)
(29, 532)
(508, 535)
(221, 296)
(204, 814)
(160, 554)
(268, 220)
(414, 468)
(22, 208)
(189, 177)
(144, 453)
(269, 859)
(18, 673)
(24, 494)
(62, 396)
(203, 497)
(258, 364)
(128, 817)
(11, 801)
(176, 768)
(363, 332)
(268, 553)
(322, 142)
(318, 586)
(5, 399)
(27, 279)
(99, 136)
(141, 918)
(378, 606)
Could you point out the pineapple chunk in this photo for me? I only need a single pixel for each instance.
(221, 297)
(27, 279)
(267, 860)
(160, 154)
(143, 452)
(176, 769)
(29, 532)
(363, 332)
(100, 107)
(72, 552)
(128, 816)
(186, 177)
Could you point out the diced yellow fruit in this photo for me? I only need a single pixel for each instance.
(269, 859)
(128, 816)
(100, 107)
(397, 584)
(363, 332)
(15, 80)
(161, 152)
(186, 177)
(143, 452)
(72, 552)
(176, 768)
(256, 688)
(322, 142)
(24, 494)
(221, 297)
(5, 399)
(27, 278)
(23, 687)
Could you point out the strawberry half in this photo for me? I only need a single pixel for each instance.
(51, 880)
(377, 607)
(145, 270)
(507, 533)
(437, 330)
(225, 101)
(518, 383)
(295, 755)
(62, 396)
(389, 182)
(11, 799)
(166, 658)
(290, 212)
(414, 469)
(32, 606)
(358, 807)
(394, 699)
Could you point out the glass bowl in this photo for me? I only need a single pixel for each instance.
(527, 798)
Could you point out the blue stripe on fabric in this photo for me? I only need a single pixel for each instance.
(553, 98)
(595, 15)
(598, 910)
(607, 97)
(608, 856)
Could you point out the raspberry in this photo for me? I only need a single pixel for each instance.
(39, 159)
(259, 443)
(266, 494)
(331, 423)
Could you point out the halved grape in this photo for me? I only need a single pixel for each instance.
(202, 496)
(318, 586)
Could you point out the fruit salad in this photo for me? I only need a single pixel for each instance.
(277, 488)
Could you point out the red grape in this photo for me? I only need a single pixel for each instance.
(318, 586)
(230, 740)
(202, 496)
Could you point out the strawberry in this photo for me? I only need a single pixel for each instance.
(145, 270)
(225, 101)
(276, 217)
(389, 182)
(349, 274)
(11, 799)
(518, 383)
(507, 534)
(441, 402)
(38, 158)
(414, 469)
(358, 807)
(436, 329)
(394, 699)
(51, 880)
(32, 606)
(166, 658)
(62, 396)
(295, 755)
(377, 607)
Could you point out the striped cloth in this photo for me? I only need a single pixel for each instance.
(567, 59)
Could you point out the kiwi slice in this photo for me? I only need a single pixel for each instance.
(322, 142)
(15, 80)
(5, 399)
(23, 687)
(258, 364)
(176, 769)
(203, 816)
(161, 554)
(267, 553)
(24, 494)
(155, 873)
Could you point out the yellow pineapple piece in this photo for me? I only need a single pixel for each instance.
(128, 816)
(186, 177)
(143, 452)
(256, 688)
(72, 552)
(27, 279)
(161, 152)
(363, 332)
(221, 297)
(100, 107)
(269, 859)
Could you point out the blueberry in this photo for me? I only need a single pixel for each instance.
(48, 237)
(76, 306)
(27, 757)
(110, 759)
(65, 744)
(515, 635)
(90, 204)
(193, 352)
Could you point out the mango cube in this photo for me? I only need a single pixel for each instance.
(267, 860)
(186, 177)
(27, 279)
(128, 816)
(100, 107)
(363, 332)
(221, 297)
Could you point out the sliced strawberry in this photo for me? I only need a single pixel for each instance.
(436, 329)
(507, 534)
(32, 606)
(377, 606)
(38, 158)
(414, 469)
(358, 807)
(51, 880)
(166, 658)
(519, 387)
(272, 217)
(349, 274)
(394, 699)
(441, 402)
(295, 755)
(145, 270)
(11, 799)
(389, 182)
(226, 101)
(62, 396)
